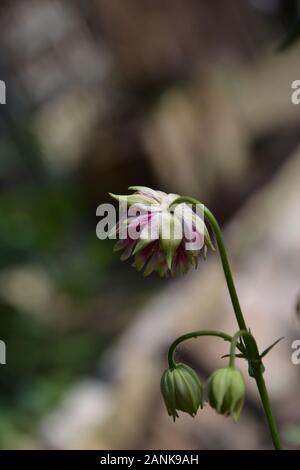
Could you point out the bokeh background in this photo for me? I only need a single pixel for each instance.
(186, 96)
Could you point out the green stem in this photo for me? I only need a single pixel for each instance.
(263, 392)
(233, 346)
(253, 357)
(226, 267)
(252, 354)
(193, 334)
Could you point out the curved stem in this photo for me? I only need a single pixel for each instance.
(193, 334)
(253, 357)
(233, 346)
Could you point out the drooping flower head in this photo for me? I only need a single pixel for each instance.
(226, 391)
(161, 235)
(182, 390)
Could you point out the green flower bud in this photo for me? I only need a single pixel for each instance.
(226, 391)
(181, 390)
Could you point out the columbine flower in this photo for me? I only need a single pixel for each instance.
(226, 391)
(161, 236)
(181, 390)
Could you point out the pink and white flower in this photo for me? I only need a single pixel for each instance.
(161, 235)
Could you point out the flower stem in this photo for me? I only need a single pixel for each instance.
(253, 357)
(233, 346)
(263, 392)
(250, 348)
(193, 334)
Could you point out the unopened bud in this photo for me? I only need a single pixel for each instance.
(182, 390)
(226, 391)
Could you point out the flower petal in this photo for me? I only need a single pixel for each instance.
(134, 199)
(170, 236)
(146, 192)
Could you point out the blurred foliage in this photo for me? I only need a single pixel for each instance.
(44, 221)
(41, 365)
(44, 224)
